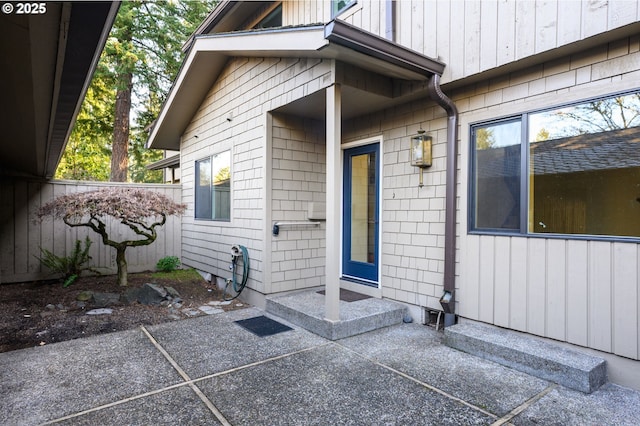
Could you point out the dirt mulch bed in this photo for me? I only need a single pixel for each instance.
(44, 312)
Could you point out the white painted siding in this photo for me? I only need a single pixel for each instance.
(22, 236)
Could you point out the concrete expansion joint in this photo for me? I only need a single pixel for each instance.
(188, 381)
(519, 409)
(419, 382)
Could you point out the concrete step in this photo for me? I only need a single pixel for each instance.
(536, 357)
(306, 309)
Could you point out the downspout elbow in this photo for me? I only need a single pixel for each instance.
(448, 299)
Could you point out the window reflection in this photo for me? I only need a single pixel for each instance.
(497, 165)
(213, 189)
(583, 170)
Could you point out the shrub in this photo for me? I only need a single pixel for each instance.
(139, 210)
(69, 266)
(168, 264)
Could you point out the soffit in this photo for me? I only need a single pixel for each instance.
(336, 40)
(45, 70)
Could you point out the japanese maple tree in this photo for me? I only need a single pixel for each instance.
(140, 210)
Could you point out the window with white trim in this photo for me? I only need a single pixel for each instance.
(213, 187)
(339, 6)
(571, 170)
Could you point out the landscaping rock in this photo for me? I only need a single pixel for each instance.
(84, 296)
(102, 300)
(151, 294)
(190, 312)
(100, 311)
(172, 292)
(210, 310)
(131, 295)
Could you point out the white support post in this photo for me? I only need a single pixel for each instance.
(334, 191)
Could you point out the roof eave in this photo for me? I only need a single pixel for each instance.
(354, 38)
(335, 40)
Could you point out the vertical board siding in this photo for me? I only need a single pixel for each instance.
(502, 283)
(577, 293)
(518, 284)
(22, 236)
(472, 36)
(581, 292)
(625, 299)
(584, 292)
(536, 286)
(486, 279)
(556, 289)
(600, 286)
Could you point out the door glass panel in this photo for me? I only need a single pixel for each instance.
(360, 239)
(363, 208)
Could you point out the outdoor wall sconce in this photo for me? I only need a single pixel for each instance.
(421, 152)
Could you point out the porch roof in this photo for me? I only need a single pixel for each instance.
(335, 40)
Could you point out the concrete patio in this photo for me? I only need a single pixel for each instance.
(210, 370)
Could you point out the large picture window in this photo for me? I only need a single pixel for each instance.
(570, 170)
(213, 187)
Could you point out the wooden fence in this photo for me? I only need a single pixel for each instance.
(22, 236)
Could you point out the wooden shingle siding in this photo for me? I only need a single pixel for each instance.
(298, 179)
(22, 236)
(233, 117)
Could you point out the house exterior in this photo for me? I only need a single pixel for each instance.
(294, 120)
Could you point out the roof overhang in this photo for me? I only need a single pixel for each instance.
(46, 64)
(335, 40)
(169, 162)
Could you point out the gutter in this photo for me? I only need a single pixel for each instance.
(448, 298)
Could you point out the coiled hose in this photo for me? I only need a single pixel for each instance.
(237, 286)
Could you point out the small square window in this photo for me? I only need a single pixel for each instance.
(339, 6)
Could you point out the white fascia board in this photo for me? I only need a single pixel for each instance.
(282, 42)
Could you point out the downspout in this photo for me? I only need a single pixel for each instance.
(448, 298)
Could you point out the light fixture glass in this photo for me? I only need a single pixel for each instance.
(421, 150)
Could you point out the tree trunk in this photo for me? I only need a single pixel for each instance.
(120, 145)
(121, 262)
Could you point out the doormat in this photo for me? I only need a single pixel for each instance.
(349, 296)
(263, 326)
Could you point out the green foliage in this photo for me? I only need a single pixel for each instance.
(69, 266)
(485, 138)
(145, 43)
(179, 275)
(168, 264)
(88, 153)
(139, 210)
